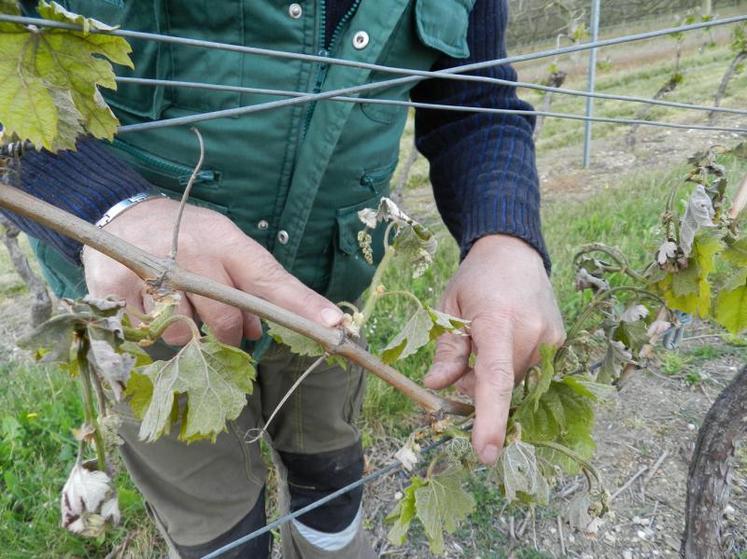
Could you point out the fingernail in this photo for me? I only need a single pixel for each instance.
(331, 317)
(489, 454)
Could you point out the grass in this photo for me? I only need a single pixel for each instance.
(702, 74)
(39, 407)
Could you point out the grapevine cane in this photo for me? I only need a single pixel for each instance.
(163, 271)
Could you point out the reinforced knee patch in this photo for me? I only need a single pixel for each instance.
(313, 476)
(258, 548)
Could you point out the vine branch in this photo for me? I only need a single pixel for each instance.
(185, 196)
(153, 268)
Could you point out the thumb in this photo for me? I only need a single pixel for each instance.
(450, 363)
(255, 270)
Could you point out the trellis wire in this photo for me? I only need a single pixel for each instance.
(420, 105)
(498, 81)
(412, 75)
(391, 468)
(448, 73)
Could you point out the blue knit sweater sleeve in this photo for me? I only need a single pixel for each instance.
(482, 166)
(86, 182)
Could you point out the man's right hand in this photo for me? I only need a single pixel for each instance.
(210, 245)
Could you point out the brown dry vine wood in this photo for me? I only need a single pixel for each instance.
(163, 271)
(710, 471)
(41, 306)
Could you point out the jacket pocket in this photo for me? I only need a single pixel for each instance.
(172, 177)
(443, 25)
(377, 179)
(350, 272)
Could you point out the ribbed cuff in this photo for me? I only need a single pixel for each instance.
(86, 183)
(505, 215)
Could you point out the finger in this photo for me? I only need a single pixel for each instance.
(178, 333)
(252, 327)
(466, 384)
(450, 362)
(494, 375)
(225, 322)
(254, 270)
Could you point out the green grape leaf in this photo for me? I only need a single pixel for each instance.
(139, 393)
(298, 343)
(731, 304)
(10, 7)
(517, 471)
(404, 512)
(736, 253)
(442, 504)
(588, 388)
(564, 416)
(49, 79)
(689, 290)
(443, 323)
(214, 379)
(546, 370)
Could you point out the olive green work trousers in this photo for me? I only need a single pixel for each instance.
(203, 495)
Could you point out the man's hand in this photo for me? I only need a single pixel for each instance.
(212, 246)
(502, 287)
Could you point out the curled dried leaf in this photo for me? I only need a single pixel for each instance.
(699, 213)
(89, 501)
(585, 280)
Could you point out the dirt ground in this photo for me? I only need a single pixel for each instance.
(645, 439)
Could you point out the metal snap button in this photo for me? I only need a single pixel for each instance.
(283, 237)
(295, 10)
(360, 40)
(263, 225)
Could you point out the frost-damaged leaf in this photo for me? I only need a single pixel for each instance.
(51, 340)
(666, 252)
(213, 377)
(110, 365)
(519, 474)
(408, 455)
(49, 79)
(89, 501)
(731, 304)
(298, 343)
(442, 504)
(586, 280)
(425, 325)
(615, 359)
(634, 313)
(699, 213)
(564, 416)
(404, 512)
(414, 335)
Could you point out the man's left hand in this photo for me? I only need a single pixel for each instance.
(503, 289)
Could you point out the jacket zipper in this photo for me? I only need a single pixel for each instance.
(324, 51)
(176, 170)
